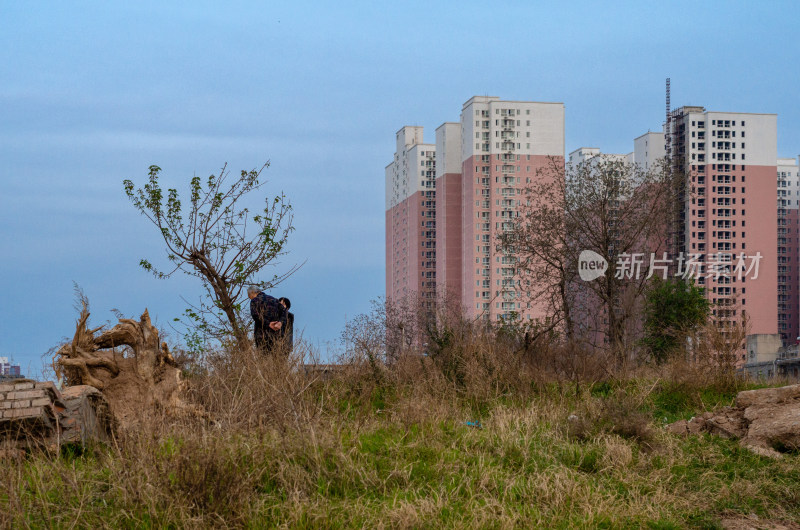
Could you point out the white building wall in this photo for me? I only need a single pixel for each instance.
(582, 154)
(403, 176)
(788, 169)
(538, 127)
(448, 148)
(759, 139)
(648, 149)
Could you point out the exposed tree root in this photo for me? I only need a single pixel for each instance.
(128, 363)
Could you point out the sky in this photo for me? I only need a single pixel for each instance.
(92, 93)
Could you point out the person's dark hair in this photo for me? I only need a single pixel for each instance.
(286, 302)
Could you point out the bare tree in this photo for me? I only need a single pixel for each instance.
(218, 241)
(604, 205)
(542, 245)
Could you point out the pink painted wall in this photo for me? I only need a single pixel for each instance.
(448, 233)
(472, 278)
(760, 228)
(406, 245)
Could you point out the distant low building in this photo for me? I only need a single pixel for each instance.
(9, 370)
(766, 358)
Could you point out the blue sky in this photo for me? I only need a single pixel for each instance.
(92, 93)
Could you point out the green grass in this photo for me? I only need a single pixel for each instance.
(521, 469)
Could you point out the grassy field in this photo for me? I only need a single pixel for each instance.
(410, 446)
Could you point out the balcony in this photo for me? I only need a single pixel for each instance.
(508, 146)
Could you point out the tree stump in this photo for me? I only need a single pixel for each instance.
(128, 363)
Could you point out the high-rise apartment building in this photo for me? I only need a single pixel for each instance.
(483, 163)
(788, 250)
(449, 247)
(411, 217)
(728, 209)
(448, 203)
(505, 145)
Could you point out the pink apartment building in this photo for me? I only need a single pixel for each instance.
(449, 246)
(788, 250)
(446, 205)
(504, 144)
(411, 217)
(482, 164)
(730, 163)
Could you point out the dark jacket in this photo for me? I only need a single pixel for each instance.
(265, 309)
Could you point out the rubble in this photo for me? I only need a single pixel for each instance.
(37, 414)
(766, 421)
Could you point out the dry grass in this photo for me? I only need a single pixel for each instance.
(476, 434)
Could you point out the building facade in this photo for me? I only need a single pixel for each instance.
(449, 257)
(649, 150)
(788, 250)
(729, 160)
(506, 145)
(411, 217)
(481, 164)
(8, 369)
